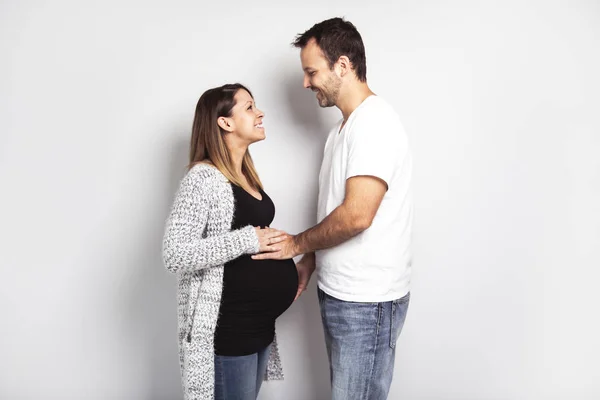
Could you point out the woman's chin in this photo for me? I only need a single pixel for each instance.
(258, 139)
(261, 136)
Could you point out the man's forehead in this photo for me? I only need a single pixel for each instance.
(312, 48)
(312, 53)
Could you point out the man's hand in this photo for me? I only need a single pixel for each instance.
(268, 238)
(285, 249)
(305, 267)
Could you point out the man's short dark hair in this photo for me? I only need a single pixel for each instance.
(337, 37)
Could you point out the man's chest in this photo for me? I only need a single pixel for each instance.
(332, 178)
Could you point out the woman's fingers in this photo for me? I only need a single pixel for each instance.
(271, 231)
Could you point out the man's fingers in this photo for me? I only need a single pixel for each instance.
(275, 234)
(270, 249)
(277, 239)
(301, 289)
(274, 254)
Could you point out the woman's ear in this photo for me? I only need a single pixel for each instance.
(225, 123)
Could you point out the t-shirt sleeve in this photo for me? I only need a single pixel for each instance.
(375, 146)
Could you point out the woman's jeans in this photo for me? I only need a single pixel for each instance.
(239, 378)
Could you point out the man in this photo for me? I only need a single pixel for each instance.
(362, 241)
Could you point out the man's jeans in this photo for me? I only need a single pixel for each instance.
(361, 345)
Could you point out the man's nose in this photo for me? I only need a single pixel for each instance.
(306, 82)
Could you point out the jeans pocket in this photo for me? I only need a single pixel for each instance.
(398, 316)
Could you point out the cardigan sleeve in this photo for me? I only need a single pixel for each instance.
(184, 248)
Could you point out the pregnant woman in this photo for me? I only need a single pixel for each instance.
(227, 302)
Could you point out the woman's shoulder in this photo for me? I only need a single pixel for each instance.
(206, 174)
(203, 180)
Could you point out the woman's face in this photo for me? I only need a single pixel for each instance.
(246, 119)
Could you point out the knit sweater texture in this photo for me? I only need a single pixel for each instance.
(198, 241)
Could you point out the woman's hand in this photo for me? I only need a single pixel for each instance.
(268, 239)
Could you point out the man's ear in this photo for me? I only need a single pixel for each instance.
(225, 123)
(343, 65)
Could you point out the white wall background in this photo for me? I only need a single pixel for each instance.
(501, 102)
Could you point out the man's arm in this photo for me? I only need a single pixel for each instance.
(305, 267)
(353, 216)
(361, 202)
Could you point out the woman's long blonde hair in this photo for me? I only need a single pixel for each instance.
(207, 142)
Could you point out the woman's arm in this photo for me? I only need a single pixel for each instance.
(184, 249)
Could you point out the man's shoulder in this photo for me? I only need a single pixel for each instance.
(335, 127)
(377, 107)
(377, 116)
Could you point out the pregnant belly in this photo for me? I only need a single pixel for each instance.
(264, 288)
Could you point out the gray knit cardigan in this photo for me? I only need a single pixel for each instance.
(198, 241)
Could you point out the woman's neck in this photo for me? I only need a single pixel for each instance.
(237, 158)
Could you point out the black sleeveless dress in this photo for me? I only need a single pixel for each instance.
(255, 292)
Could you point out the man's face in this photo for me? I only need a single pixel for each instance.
(318, 77)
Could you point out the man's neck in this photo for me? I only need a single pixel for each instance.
(354, 96)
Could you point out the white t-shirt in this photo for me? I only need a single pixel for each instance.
(375, 265)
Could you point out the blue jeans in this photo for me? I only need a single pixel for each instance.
(239, 378)
(361, 345)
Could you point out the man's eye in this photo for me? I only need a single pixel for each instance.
(311, 73)
(250, 108)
